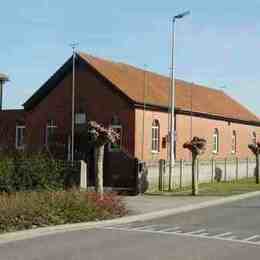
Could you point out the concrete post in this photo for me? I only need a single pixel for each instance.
(247, 167)
(257, 168)
(212, 170)
(225, 169)
(161, 174)
(83, 175)
(237, 168)
(181, 172)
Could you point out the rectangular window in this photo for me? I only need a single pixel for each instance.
(234, 143)
(155, 139)
(20, 137)
(215, 143)
(117, 145)
(50, 132)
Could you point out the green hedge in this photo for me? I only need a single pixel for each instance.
(36, 172)
(26, 210)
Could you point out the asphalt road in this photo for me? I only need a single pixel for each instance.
(230, 231)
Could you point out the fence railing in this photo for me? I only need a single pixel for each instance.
(230, 169)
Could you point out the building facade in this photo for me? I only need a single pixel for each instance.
(135, 103)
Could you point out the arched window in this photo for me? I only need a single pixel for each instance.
(254, 138)
(234, 142)
(215, 141)
(155, 136)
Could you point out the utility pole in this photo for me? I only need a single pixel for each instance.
(172, 105)
(73, 46)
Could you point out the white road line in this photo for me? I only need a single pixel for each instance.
(251, 238)
(223, 234)
(222, 237)
(143, 227)
(196, 231)
(169, 229)
(177, 231)
(231, 238)
(204, 234)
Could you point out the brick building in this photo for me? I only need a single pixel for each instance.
(135, 103)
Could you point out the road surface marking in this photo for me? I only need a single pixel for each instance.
(231, 238)
(251, 238)
(144, 227)
(196, 231)
(169, 229)
(204, 234)
(223, 234)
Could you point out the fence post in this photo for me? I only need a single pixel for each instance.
(181, 172)
(212, 169)
(225, 169)
(197, 169)
(83, 175)
(237, 168)
(247, 168)
(161, 174)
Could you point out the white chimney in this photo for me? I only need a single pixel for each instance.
(3, 79)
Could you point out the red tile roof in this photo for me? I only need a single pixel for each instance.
(131, 81)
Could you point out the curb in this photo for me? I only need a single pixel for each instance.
(34, 233)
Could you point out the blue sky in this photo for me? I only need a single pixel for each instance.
(218, 45)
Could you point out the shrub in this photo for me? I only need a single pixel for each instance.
(20, 172)
(25, 210)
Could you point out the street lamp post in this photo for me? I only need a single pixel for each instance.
(172, 99)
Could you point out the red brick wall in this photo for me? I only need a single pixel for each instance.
(205, 127)
(143, 145)
(201, 127)
(93, 96)
(9, 119)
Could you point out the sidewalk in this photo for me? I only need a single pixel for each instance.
(151, 203)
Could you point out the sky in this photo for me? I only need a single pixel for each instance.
(218, 45)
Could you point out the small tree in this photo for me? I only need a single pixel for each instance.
(197, 146)
(255, 148)
(99, 137)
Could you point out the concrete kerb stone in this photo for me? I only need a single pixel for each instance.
(34, 233)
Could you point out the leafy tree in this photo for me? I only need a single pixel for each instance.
(197, 146)
(255, 148)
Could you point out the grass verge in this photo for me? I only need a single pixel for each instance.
(216, 188)
(26, 210)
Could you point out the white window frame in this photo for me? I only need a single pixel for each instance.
(155, 137)
(50, 125)
(18, 127)
(234, 142)
(116, 149)
(215, 148)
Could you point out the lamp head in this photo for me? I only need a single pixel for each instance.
(181, 15)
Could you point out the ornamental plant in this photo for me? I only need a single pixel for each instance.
(255, 149)
(196, 146)
(99, 137)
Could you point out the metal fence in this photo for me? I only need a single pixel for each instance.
(207, 171)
